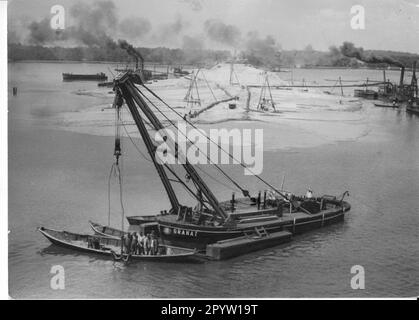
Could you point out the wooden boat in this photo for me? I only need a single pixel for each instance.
(84, 77)
(383, 105)
(413, 110)
(110, 247)
(413, 106)
(106, 231)
(139, 220)
(366, 94)
(210, 220)
(179, 72)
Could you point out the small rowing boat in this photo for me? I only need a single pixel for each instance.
(109, 247)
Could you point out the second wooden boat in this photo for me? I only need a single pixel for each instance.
(109, 247)
(106, 231)
(384, 105)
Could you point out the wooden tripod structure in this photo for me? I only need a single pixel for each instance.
(265, 100)
(192, 97)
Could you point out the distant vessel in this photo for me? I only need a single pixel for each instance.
(413, 107)
(384, 105)
(84, 77)
(366, 94)
(179, 72)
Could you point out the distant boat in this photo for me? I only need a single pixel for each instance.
(413, 109)
(84, 77)
(366, 94)
(383, 105)
(179, 72)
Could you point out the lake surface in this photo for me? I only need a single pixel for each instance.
(58, 179)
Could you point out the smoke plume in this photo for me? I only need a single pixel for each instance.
(349, 50)
(261, 51)
(95, 24)
(222, 33)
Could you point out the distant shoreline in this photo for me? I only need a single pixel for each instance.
(165, 64)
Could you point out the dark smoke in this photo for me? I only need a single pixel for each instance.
(349, 50)
(222, 33)
(132, 52)
(92, 25)
(41, 32)
(261, 51)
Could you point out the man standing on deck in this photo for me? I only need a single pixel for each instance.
(134, 243)
(309, 194)
(127, 243)
(141, 247)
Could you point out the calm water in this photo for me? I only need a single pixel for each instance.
(58, 179)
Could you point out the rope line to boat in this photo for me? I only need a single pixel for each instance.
(210, 140)
(135, 145)
(245, 192)
(117, 166)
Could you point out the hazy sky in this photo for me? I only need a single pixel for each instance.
(390, 24)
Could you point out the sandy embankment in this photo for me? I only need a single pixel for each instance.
(304, 117)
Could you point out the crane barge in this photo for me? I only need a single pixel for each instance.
(212, 220)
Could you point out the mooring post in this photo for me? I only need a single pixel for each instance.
(259, 200)
(15, 91)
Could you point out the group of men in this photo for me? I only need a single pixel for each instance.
(140, 244)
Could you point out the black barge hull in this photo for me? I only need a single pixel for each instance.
(198, 237)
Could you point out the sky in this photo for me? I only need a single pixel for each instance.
(294, 24)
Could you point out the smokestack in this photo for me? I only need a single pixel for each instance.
(401, 76)
(414, 80)
(133, 53)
